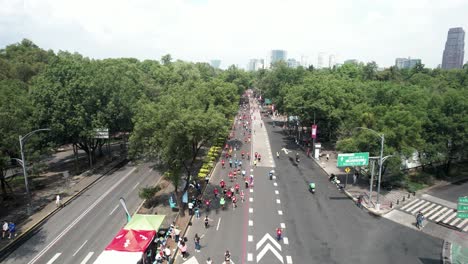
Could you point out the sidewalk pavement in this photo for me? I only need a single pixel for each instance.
(29, 224)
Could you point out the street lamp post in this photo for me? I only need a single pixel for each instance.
(382, 140)
(22, 140)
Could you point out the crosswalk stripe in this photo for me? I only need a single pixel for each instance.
(443, 209)
(466, 228)
(455, 221)
(54, 258)
(449, 218)
(462, 223)
(444, 215)
(418, 208)
(414, 205)
(90, 254)
(433, 211)
(410, 203)
(428, 208)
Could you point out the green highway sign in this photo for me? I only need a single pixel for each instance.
(463, 200)
(462, 214)
(353, 159)
(462, 207)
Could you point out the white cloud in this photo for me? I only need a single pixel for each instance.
(235, 31)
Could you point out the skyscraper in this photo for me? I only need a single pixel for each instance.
(255, 64)
(406, 63)
(331, 61)
(321, 60)
(454, 51)
(215, 64)
(277, 55)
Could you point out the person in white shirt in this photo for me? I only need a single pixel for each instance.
(4, 229)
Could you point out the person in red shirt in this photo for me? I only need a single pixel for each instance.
(242, 195)
(243, 154)
(222, 184)
(222, 163)
(234, 201)
(278, 233)
(216, 192)
(237, 187)
(230, 176)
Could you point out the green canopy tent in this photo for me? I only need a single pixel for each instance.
(145, 222)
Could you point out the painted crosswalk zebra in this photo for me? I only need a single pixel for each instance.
(436, 212)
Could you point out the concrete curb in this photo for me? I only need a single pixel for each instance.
(5, 251)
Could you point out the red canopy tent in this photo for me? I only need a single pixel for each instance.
(131, 240)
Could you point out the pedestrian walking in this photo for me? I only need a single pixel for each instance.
(359, 201)
(355, 178)
(328, 157)
(190, 208)
(255, 163)
(58, 203)
(11, 230)
(209, 261)
(207, 179)
(197, 243)
(183, 250)
(4, 229)
(197, 212)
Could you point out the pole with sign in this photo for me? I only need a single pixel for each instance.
(347, 170)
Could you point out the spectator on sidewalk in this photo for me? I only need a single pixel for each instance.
(58, 203)
(359, 201)
(4, 229)
(183, 250)
(328, 156)
(12, 229)
(355, 178)
(176, 234)
(167, 254)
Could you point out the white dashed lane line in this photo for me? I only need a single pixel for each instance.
(280, 212)
(276, 192)
(251, 210)
(278, 201)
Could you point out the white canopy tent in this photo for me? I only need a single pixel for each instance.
(118, 257)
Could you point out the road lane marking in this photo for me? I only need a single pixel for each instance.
(276, 192)
(414, 205)
(437, 208)
(51, 244)
(275, 184)
(409, 204)
(289, 260)
(250, 223)
(444, 215)
(251, 190)
(462, 223)
(80, 248)
(90, 254)
(54, 258)
(250, 210)
(250, 238)
(420, 207)
(249, 257)
(135, 186)
(278, 201)
(113, 210)
(283, 225)
(449, 218)
(219, 221)
(285, 240)
(443, 209)
(251, 199)
(280, 212)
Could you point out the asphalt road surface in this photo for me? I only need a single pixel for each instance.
(452, 191)
(80, 231)
(325, 227)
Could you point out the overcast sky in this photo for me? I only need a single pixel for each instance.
(235, 31)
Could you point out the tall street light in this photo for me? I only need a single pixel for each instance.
(382, 140)
(22, 141)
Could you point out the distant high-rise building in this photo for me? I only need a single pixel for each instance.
(406, 63)
(321, 63)
(331, 61)
(454, 51)
(293, 63)
(351, 61)
(215, 63)
(256, 64)
(277, 55)
(304, 61)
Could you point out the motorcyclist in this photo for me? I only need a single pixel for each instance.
(312, 187)
(297, 157)
(271, 174)
(278, 233)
